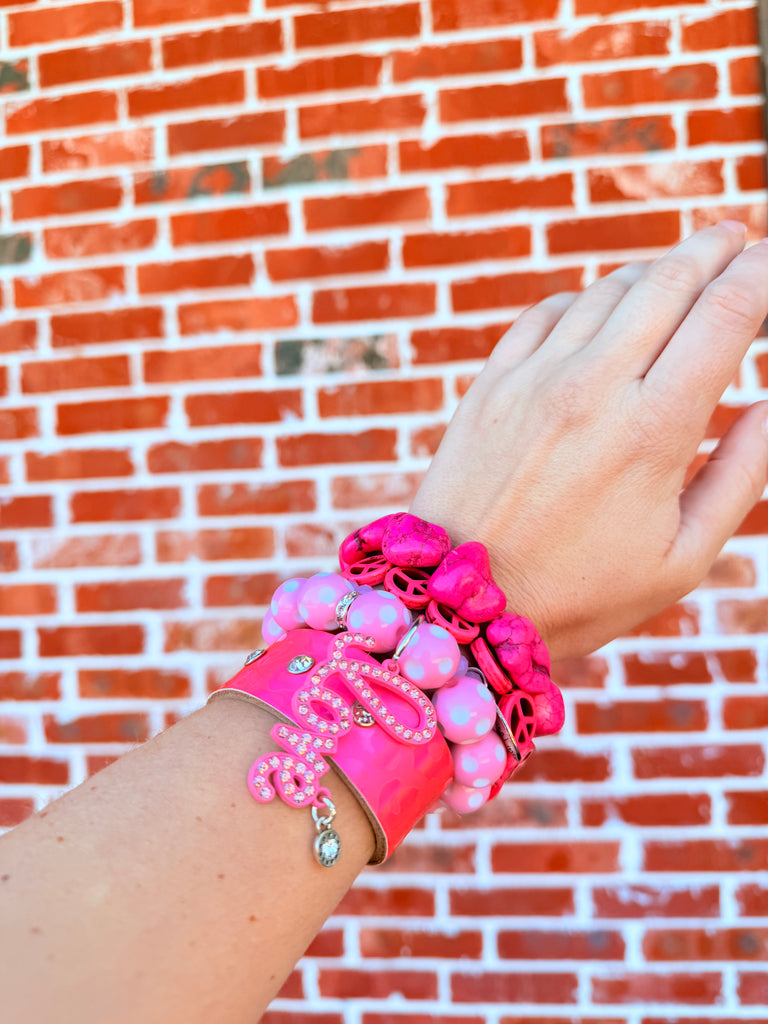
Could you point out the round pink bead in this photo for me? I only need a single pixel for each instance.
(465, 799)
(380, 615)
(430, 658)
(271, 630)
(481, 763)
(466, 710)
(285, 604)
(319, 597)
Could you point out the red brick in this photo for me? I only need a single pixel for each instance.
(76, 641)
(107, 61)
(375, 489)
(313, 261)
(711, 761)
(14, 162)
(381, 398)
(10, 643)
(650, 85)
(151, 12)
(149, 683)
(358, 25)
(113, 414)
(95, 239)
(176, 457)
(395, 943)
(129, 595)
(215, 545)
(678, 620)
(322, 449)
(752, 900)
(85, 284)
(720, 855)
(630, 231)
(257, 499)
(9, 554)
(750, 172)
(329, 942)
(311, 540)
(473, 58)
(214, 272)
(373, 208)
(504, 902)
(753, 988)
(526, 944)
(72, 552)
(72, 374)
(243, 407)
(136, 145)
(665, 668)
(349, 71)
(463, 151)
(14, 811)
(125, 505)
(38, 771)
(253, 590)
(377, 302)
(325, 165)
(103, 326)
(606, 7)
(729, 28)
(566, 766)
(645, 181)
(448, 344)
(602, 42)
(26, 511)
(208, 90)
(512, 290)
(253, 314)
(688, 989)
(744, 76)
(534, 858)
(228, 225)
(641, 716)
(257, 129)
(640, 901)
(745, 712)
(51, 112)
(437, 249)
(17, 424)
(672, 809)
(211, 363)
(513, 987)
(348, 983)
(97, 729)
(78, 464)
(55, 24)
(387, 113)
(739, 124)
(230, 42)
(18, 335)
(450, 15)
(521, 99)
(393, 901)
(742, 617)
(748, 808)
(620, 135)
(191, 182)
(28, 599)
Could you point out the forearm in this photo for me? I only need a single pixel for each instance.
(160, 891)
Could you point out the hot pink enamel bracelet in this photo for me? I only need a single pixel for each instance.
(405, 674)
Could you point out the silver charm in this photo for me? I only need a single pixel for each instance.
(302, 663)
(343, 607)
(254, 656)
(362, 717)
(328, 840)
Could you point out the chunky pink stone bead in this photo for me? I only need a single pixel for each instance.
(271, 630)
(285, 604)
(465, 710)
(363, 541)
(410, 541)
(463, 581)
(319, 597)
(521, 651)
(465, 799)
(549, 709)
(380, 615)
(430, 658)
(481, 763)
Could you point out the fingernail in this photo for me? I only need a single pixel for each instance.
(735, 226)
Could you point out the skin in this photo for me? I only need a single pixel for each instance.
(159, 891)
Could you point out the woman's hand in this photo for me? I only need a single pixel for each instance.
(568, 455)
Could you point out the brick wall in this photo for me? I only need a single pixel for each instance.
(251, 254)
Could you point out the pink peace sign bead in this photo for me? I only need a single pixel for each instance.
(465, 799)
(466, 710)
(481, 763)
(319, 598)
(285, 604)
(430, 657)
(380, 615)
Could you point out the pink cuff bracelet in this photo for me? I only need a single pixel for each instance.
(405, 675)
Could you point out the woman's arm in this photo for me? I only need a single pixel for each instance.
(160, 891)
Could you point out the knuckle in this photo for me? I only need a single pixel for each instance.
(731, 304)
(675, 273)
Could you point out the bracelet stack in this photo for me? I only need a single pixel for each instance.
(409, 649)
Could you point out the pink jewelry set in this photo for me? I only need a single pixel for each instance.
(405, 675)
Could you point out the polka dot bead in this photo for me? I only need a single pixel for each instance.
(271, 630)
(430, 658)
(319, 598)
(481, 763)
(380, 615)
(465, 799)
(285, 604)
(466, 710)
